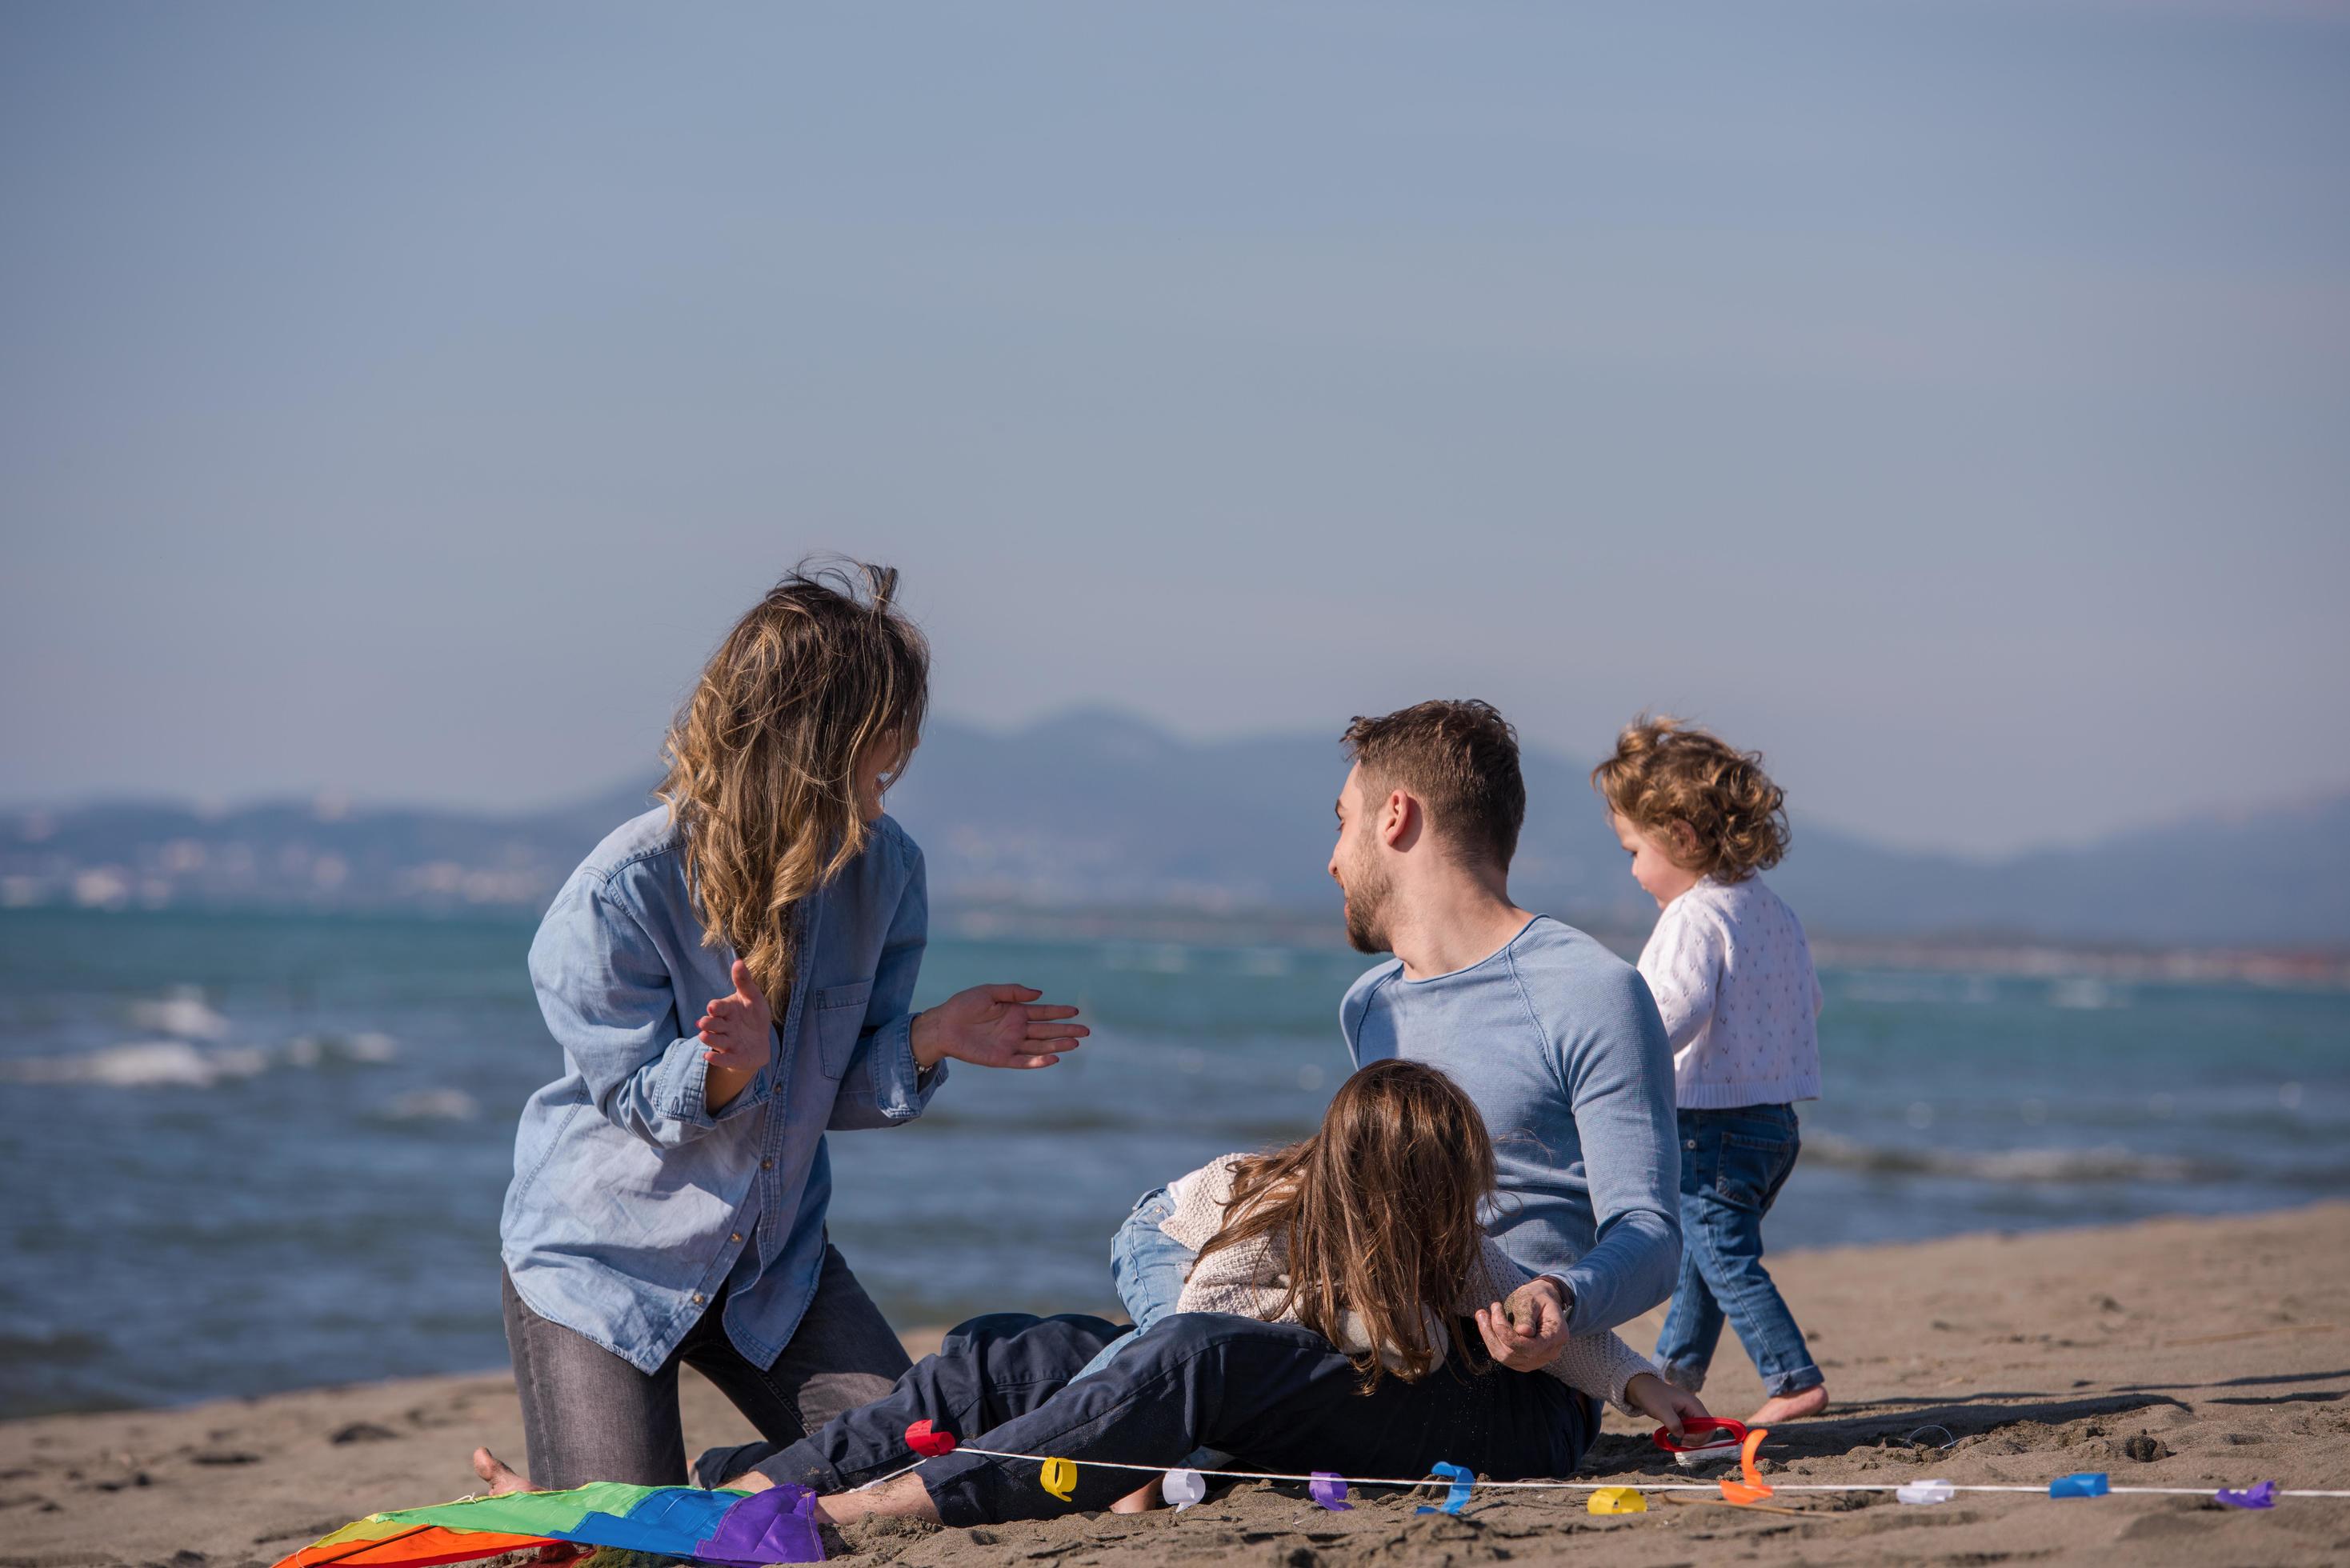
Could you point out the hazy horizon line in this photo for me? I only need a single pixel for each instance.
(334, 802)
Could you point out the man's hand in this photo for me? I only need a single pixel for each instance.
(1528, 1331)
(739, 1034)
(1671, 1407)
(995, 1027)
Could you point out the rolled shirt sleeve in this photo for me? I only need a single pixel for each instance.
(883, 1086)
(606, 994)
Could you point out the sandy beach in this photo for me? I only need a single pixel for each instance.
(2173, 1353)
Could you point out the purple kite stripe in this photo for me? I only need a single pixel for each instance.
(778, 1525)
(1328, 1487)
(2260, 1494)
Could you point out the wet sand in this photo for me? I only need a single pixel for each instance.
(2177, 1353)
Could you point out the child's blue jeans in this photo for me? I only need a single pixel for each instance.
(1733, 1163)
(1147, 1265)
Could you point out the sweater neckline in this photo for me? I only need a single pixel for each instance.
(1515, 937)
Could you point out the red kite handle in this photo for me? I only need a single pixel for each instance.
(1705, 1431)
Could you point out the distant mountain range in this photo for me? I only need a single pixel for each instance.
(1100, 811)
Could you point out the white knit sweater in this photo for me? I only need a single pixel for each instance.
(1250, 1281)
(1732, 976)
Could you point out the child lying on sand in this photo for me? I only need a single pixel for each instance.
(1322, 1329)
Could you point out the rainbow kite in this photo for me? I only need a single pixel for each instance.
(737, 1529)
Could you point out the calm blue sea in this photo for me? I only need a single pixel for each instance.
(250, 1153)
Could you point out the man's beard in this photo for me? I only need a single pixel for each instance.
(1366, 898)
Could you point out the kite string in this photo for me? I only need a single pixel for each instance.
(1587, 1485)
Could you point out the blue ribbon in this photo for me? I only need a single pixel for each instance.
(1455, 1497)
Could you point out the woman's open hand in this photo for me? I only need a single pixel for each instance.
(995, 1027)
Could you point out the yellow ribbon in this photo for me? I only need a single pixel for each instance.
(1060, 1478)
(1618, 1500)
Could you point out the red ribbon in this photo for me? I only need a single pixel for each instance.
(928, 1443)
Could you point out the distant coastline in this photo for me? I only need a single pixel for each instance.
(1090, 819)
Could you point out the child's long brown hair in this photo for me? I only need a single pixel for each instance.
(763, 758)
(1378, 1212)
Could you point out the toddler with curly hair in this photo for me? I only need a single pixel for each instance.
(1733, 975)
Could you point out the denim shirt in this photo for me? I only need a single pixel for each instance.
(633, 1202)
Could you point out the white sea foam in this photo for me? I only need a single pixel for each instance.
(434, 1105)
(180, 1064)
(312, 1049)
(142, 1065)
(182, 1014)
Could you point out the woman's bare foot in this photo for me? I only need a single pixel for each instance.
(502, 1478)
(1142, 1499)
(1791, 1407)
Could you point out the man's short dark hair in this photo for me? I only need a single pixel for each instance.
(1461, 758)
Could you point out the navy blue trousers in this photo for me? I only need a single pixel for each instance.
(1275, 1396)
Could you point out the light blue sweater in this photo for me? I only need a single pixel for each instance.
(1559, 1043)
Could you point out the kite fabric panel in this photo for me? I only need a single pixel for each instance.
(736, 1529)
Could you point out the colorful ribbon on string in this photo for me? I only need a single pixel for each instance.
(1181, 1489)
(928, 1442)
(1456, 1496)
(1751, 1488)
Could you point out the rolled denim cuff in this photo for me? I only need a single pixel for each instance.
(901, 1090)
(1794, 1382)
(681, 1082)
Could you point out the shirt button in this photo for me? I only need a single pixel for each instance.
(737, 1236)
(697, 1298)
(1691, 1144)
(767, 1165)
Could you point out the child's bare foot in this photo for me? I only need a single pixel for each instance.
(1791, 1407)
(502, 1478)
(1141, 1500)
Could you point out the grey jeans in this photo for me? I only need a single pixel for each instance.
(588, 1416)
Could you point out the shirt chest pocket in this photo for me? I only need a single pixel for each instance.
(839, 1015)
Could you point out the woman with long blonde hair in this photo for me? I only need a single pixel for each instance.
(729, 976)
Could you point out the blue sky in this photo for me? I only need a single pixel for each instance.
(1949, 400)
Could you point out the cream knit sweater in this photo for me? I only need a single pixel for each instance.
(1250, 1279)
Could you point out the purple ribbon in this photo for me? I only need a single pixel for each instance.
(778, 1525)
(2261, 1494)
(1456, 1496)
(1328, 1487)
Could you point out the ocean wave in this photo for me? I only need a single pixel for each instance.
(2105, 1164)
(319, 1050)
(42, 1346)
(434, 1105)
(143, 1065)
(182, 1014)
(178, 1064)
